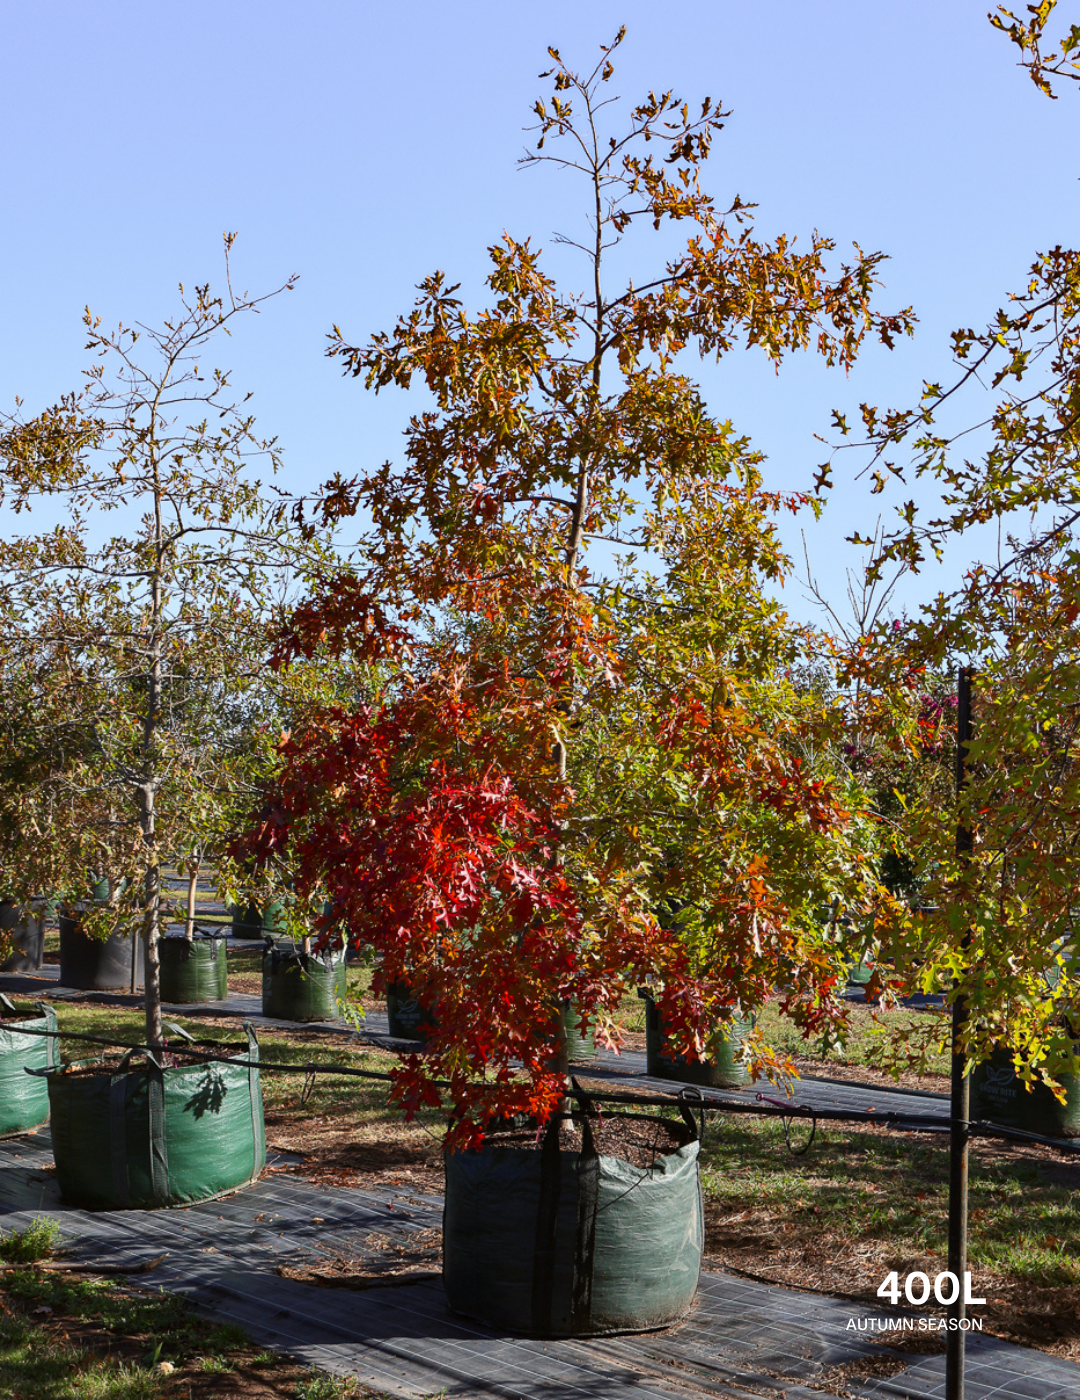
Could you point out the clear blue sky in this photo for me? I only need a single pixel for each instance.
(363, 145)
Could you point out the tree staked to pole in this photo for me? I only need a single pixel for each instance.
(959, 1127)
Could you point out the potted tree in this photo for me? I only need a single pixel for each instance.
(299, 983)
(154, 641)
(486, 819)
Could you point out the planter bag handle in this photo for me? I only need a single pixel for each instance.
(588, 1174)
(118, 1083)
(8, 1004)
(159, 1151)
(52, 1042)
(690, 1096)
(174, 1029)
(547, 1220)
(258, 1127)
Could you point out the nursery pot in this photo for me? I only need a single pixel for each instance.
(861, 969)
(408, 1018)
(547, 1242)
(24, 1098)
(194, 972)
(98, 964)
(25, 924)
(157, 1134)
(252, 922)
(721, 1070)
(999, 1096)
(578, 1046)
(300, 986)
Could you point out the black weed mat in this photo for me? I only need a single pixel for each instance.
(236, 1259)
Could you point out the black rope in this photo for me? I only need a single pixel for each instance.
(766, 1108)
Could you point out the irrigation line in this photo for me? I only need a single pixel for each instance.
(762, 1107)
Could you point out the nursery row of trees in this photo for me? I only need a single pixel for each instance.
(546, 734)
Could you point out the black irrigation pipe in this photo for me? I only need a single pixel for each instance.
(761, 1107)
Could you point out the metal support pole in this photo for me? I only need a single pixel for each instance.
(959, 1112)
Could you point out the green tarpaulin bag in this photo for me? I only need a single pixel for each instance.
(551, 1243)
(722, 1069)
(999, 1096)
(158, 1135)
(303, 986)
(24, 1098)
(194, 972)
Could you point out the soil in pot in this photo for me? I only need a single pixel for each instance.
(24, 1098)
(127, 1135)
(723, 1069)
(999, 1096)
(299, 986)
(548, 1241)
(25, 925)
(98, 964)
(194, 972)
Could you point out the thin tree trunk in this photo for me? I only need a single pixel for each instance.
(194, 866)
(148, 791)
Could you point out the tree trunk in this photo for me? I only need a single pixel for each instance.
(193, 880)
(149, 786)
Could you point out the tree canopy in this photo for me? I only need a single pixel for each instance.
(582, 773)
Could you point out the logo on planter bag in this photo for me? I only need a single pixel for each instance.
(999, 1081)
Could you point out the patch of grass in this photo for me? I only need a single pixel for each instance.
(881, 1040)
(327, 1388)
(64, 1337)
(37, 1241)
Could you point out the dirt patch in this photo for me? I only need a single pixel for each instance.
(839, 1380)
(397, 1264)
(383, 1156)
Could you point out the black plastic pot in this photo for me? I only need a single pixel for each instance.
(98, 964)
(299, 986)
(408, 1018)
(552, 1243)
(723, 1068)
(24, 1098)
(194, 972)
(25, 923)
(998, 1096)
(157, 1136)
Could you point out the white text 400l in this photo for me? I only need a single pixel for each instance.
(917, 1288)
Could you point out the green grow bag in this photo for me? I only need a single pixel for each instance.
(860, 967)
(552, 1243)
(149, 1136)
(24, 1098)
(578, 1046)
(303, 986)
(252, 922)
(998, 1096)
(194, 972)
(722, 1070)
(407, 1018)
